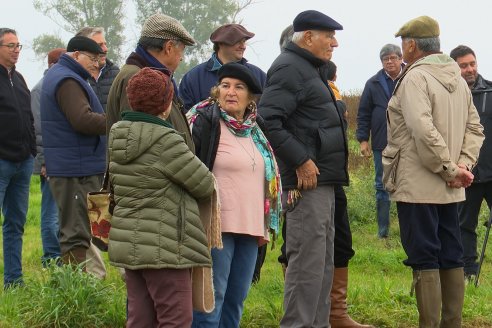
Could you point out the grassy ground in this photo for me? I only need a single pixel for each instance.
(379, 283)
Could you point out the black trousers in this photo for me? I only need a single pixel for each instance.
(468, 212)
(343, 251)
(430, 235)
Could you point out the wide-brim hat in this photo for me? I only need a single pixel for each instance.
(242, 73)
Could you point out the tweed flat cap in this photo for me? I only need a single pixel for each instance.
(167, 28)
(242, 73)
(315, 20)
(55, 54)
(420, 27)
(82, 43)
(230, 34)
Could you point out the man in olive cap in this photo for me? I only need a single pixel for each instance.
(307, 135)
(434, 137)
(229, 45)
(161, 45)
(73, 127)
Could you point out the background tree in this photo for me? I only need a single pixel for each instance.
(199, 17)
(75, 14)
(46, 42)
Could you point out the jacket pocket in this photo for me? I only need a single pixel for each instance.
(390, 159)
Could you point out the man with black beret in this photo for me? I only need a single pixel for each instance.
(306, 132)
(229, 45)
(434, 137)
(73, 126)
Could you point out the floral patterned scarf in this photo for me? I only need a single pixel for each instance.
(273, 187)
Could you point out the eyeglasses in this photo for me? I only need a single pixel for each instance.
(93, 59)
(390, 58)
(12, 46)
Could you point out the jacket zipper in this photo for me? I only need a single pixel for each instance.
(181, 217)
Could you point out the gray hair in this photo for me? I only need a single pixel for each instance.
(156, 44)
(389, 49)
(6, 30)
(297, 36)
(428, 44)
(89, 32)
(286, 36)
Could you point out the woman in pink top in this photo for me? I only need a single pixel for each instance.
(229, 141)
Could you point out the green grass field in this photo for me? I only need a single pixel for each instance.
(379, 284)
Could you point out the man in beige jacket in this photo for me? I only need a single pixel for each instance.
(434, 137)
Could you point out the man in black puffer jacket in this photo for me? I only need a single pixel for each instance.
(306, 132)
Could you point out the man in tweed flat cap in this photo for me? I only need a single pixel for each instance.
(161, 45)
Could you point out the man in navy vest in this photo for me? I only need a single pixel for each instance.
(73, 125)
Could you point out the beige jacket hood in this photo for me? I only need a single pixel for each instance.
(432, 127)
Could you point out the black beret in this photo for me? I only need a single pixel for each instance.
(82, 43)
(242, 73)
(315, 20)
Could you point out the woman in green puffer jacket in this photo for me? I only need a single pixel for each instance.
(157, 235)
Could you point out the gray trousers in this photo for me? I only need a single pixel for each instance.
(70, 195)
(310, 236)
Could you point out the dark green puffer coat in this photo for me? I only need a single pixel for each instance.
(156, 181)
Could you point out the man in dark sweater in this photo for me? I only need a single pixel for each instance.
(371, 124)
(73, 126)
(17, 151)
(103, 76)
(481, 187)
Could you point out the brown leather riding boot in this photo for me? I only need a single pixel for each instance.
(75, 256)
(339, 318)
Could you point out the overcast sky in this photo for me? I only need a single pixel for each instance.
(368, 25)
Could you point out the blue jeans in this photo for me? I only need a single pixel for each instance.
(233, 268)
(15, 179)
(49, 224)
(381, 193)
